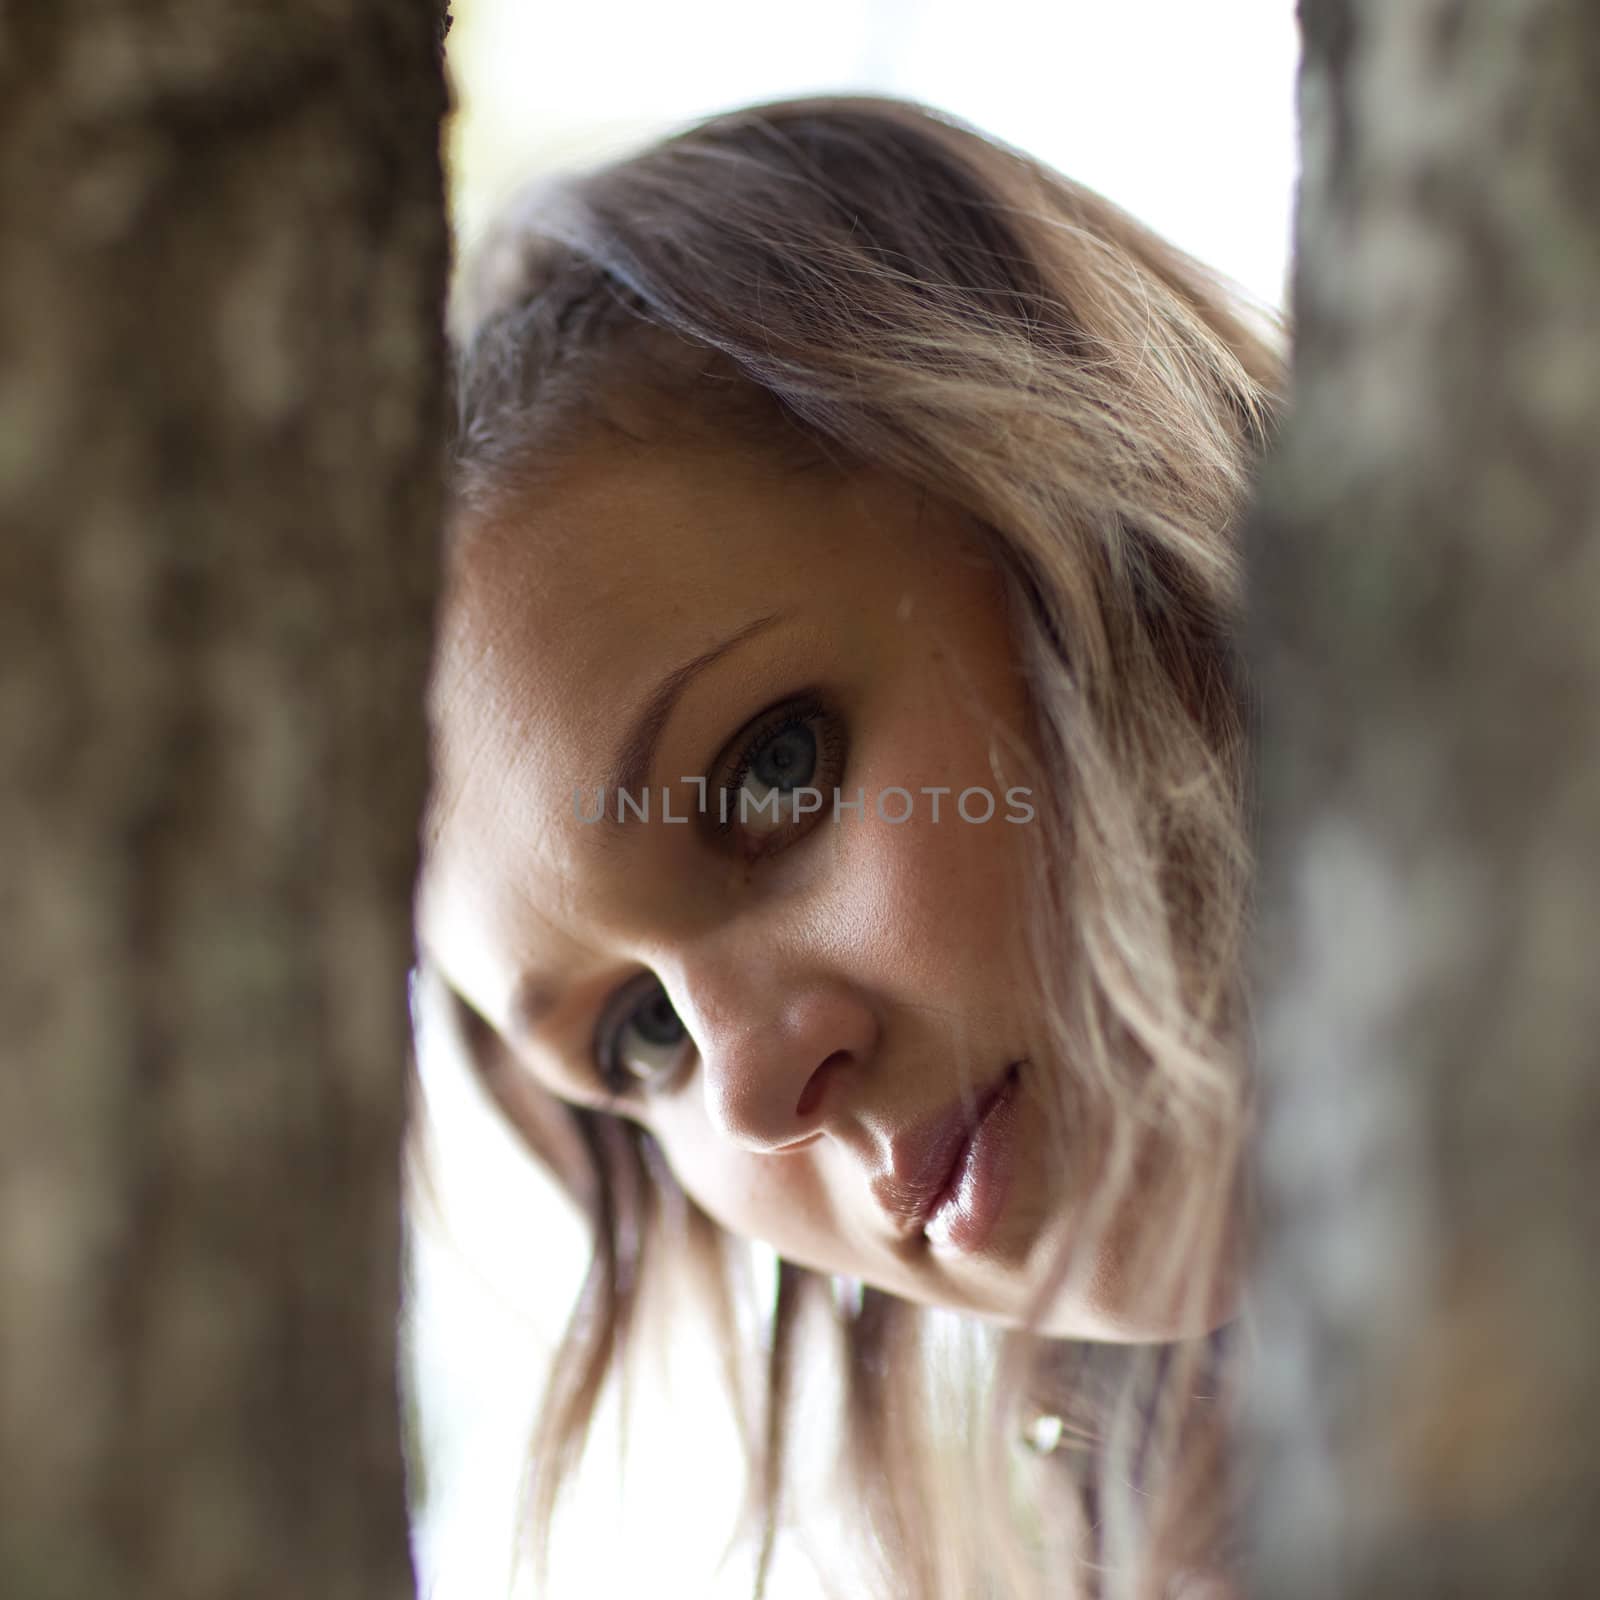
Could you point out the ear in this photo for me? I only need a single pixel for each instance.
(545, 1123)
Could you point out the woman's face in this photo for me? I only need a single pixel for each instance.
(822, 1017)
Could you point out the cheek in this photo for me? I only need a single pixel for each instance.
(772, 1199)
(942, 896)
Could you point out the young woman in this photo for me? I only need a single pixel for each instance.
(840, 832)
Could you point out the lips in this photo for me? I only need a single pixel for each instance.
(925, 1160)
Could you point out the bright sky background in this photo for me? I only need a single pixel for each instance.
(1178, 110)
(1183, 112)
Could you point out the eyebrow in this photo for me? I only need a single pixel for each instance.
(635, 755)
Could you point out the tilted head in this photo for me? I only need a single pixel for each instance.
(839, 740)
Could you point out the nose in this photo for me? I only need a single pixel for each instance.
(782, 1049)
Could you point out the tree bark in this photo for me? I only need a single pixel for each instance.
(221, 387)
(1425, 598)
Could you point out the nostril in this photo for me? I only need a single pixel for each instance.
(817, 1083)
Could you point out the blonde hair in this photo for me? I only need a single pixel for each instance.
(863, 282)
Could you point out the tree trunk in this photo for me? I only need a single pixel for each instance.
(220, 413)
(1425, 582)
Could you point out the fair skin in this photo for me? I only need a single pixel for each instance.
(778, 1005)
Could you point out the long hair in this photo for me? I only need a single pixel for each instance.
(859, 282)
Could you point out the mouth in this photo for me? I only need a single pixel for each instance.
(949, 1176)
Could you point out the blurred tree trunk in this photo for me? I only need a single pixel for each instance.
(221, 282)
(1426, 629)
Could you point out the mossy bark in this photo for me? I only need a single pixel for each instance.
(1425, 605)
(222, 265)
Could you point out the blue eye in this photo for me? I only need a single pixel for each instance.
(799, 745)
(781, 764)
(787, 760)
(641, 1039)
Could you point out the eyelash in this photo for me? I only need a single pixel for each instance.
(763, 730)
(766, 729)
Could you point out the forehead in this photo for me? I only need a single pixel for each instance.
(629, 549)
(565, 609)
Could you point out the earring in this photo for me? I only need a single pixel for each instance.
(1042, 1433)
